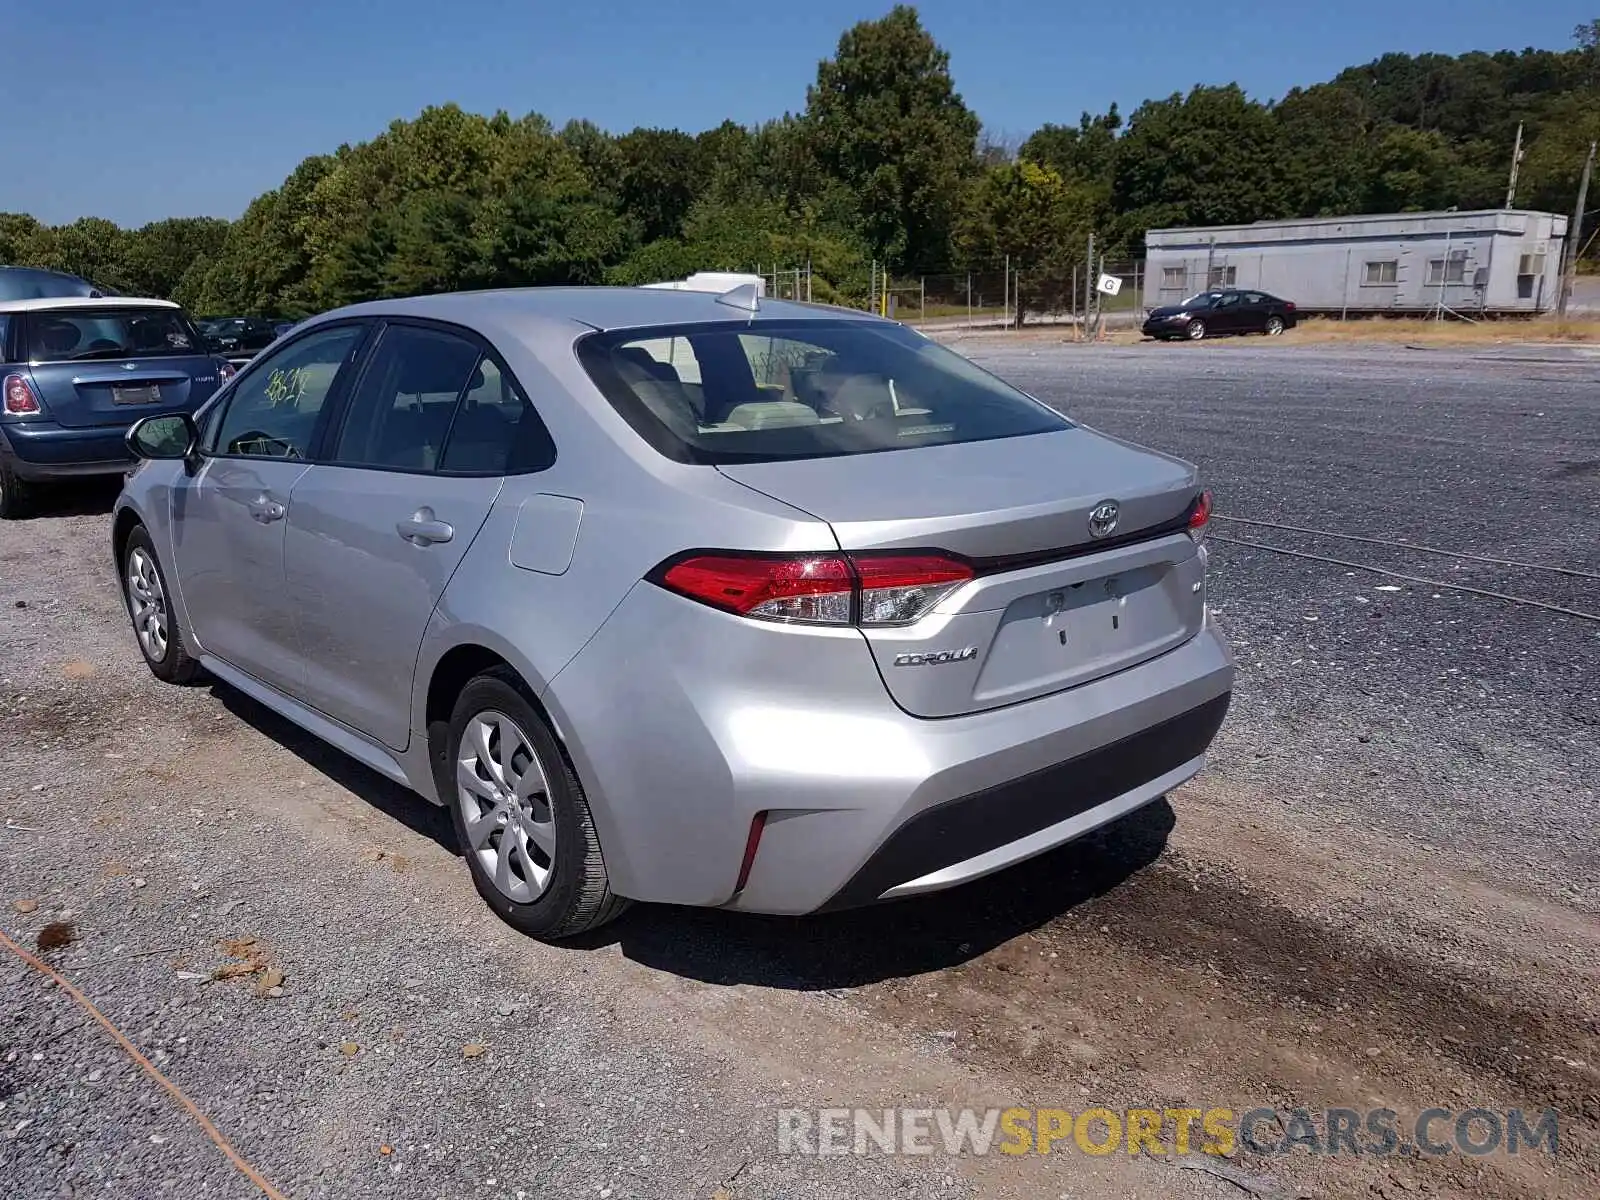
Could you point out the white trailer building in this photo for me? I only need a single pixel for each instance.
(1491, 261)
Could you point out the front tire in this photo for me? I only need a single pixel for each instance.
(520, 815)
(155, 625)
(1196, 330)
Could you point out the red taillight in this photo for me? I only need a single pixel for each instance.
(752, 843)
(1289, 304)
(819, 589)
(1199, 516)
(20, 400)
(815, 588)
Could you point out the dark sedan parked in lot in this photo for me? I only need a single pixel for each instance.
(1221, 310)
(239, 337)
(77, 371)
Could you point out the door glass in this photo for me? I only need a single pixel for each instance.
(1255, 298)
(496, 431)
(273, 412)
(400, 414)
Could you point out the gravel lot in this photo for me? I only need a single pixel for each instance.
(1383, 892)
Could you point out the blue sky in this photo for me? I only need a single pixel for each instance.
(159, 108)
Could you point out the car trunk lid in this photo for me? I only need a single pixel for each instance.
(85, 394)
(1052, 605)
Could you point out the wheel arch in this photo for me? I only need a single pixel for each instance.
(127, 519)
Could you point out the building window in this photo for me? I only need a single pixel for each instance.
(1378, 273)
(1453, 272)
(1175, 277)
(1530, 264)
(1224, 277)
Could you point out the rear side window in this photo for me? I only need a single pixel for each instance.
(496, 430)
(72, 335)
(773, 390)
(400, 414)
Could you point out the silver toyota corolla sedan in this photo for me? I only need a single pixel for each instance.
(683, 597)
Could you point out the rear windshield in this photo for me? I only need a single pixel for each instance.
(65, 335)
(762, 392)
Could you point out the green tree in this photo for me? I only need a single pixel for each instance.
(1027, 213)
(19, 236)
(661, 178)
(1209, 158)
(886, 122)
(157, 257)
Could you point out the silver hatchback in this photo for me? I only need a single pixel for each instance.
(679, 597)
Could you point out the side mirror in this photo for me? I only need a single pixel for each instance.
(170, 436)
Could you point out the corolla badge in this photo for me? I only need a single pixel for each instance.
(1103, 518)
(936, 658)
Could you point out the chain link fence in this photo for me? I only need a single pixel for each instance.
(1003, 297)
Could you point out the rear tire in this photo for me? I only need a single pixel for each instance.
(1196, 330)
(155, 625)
(1275, 325)
(16, 495)
(521, 818)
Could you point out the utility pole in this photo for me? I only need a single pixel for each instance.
(1516, 161)
(1005, 292)
(1574, 237)
(1088, 287)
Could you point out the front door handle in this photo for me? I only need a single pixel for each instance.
(422, 529)
(266, 510)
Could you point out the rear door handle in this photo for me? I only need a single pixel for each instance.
(266, 510)
(422, 529)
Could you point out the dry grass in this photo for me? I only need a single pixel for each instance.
(1322, 330)
(1447, 333)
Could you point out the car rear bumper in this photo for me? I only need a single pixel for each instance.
(42, 450)
(685, 724)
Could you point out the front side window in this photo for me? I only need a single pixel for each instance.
(779, 390)
(274, 409)
(400, 414)
(81, 334)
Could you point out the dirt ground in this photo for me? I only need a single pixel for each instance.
(1242, 944)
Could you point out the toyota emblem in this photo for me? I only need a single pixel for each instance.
(1103, 518)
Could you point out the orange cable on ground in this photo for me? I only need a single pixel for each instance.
(245, 1169)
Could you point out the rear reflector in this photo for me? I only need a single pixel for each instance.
(20, 400)
(752, 843)
(817, 589)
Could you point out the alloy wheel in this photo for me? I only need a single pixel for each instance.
(147, 603)
(504, 798)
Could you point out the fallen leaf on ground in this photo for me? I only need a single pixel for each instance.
(348, 1048)
(473, 1050)
(78, 670)
(386, 1150)
(25, 906)
(55, 935)
(271, 981)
